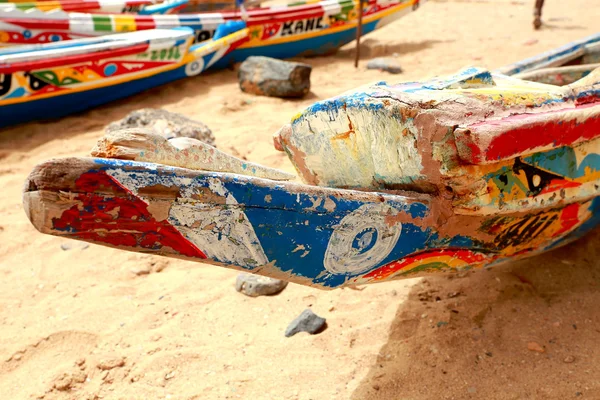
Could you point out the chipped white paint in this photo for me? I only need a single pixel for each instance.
(133, 182)
(362, 240)
(147, 146)
(354, 146)
(223, 234)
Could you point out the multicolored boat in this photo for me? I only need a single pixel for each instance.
(279, 32)
(400, 180)
(143, 7)
(56, 79)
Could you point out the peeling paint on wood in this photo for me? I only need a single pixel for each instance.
(144, 145)
(466, 171)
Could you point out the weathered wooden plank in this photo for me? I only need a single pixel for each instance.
(314, 236)
(552, 178)
(517, 135)
(146, 146)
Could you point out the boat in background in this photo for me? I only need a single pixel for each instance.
(278, 32)
(52, 80)
(560, 66)
(142, 7)
(400, 180)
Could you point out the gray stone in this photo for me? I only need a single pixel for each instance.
(256, 285)
(165, 123)
(308, 321)
(74, 245)
(385, 64)
(266, 76)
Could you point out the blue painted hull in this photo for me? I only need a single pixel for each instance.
(309, 235)
(60, 106)
(319, 45)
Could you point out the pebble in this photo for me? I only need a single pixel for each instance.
(308, 321)
(62, 382)
(569, 359)
(165, 123)
(266, 76)
(385, 64)
(150, 267)
(73, 245)
(256, 285)
(111, 363)
(170, 375)
(534, 346)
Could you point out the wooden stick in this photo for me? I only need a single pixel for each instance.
(358, 32)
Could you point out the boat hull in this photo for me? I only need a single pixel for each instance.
(319, 30)
(322, 44)
(47, 89)
(67, 104)
(313, 236)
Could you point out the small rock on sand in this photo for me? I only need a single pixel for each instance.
(165, 123)
(266, 76)
(385, 64)
(256, 285)
(569, 359)
(111, 363)
(308, 321)
(74, 245)
(534, 346)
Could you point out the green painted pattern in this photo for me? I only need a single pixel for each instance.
(52, 78)
(102, 23)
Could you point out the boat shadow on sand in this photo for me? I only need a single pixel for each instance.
(524, 330)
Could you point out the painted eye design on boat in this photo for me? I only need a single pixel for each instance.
(537, 179)
(35, 83)
(362, 240)
(5, 83)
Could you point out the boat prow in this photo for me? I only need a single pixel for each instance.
(439, 210)
(465, 171)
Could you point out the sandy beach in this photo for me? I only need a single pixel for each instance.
(91, 322)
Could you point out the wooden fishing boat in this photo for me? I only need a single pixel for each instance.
(279, 32)
(142, 7)
(400, 180)
(57, 79)
(560, 66)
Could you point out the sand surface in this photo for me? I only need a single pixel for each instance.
(81, 324)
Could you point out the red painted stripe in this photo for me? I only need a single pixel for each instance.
(267, 12)
(83, 6)
(237, 44)
(137, 2)
(145, 22)
(32, 23)
(261, 21)
(389, 269)
(493, 141)
(119, 221)
(569, 218)
(55, 62)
